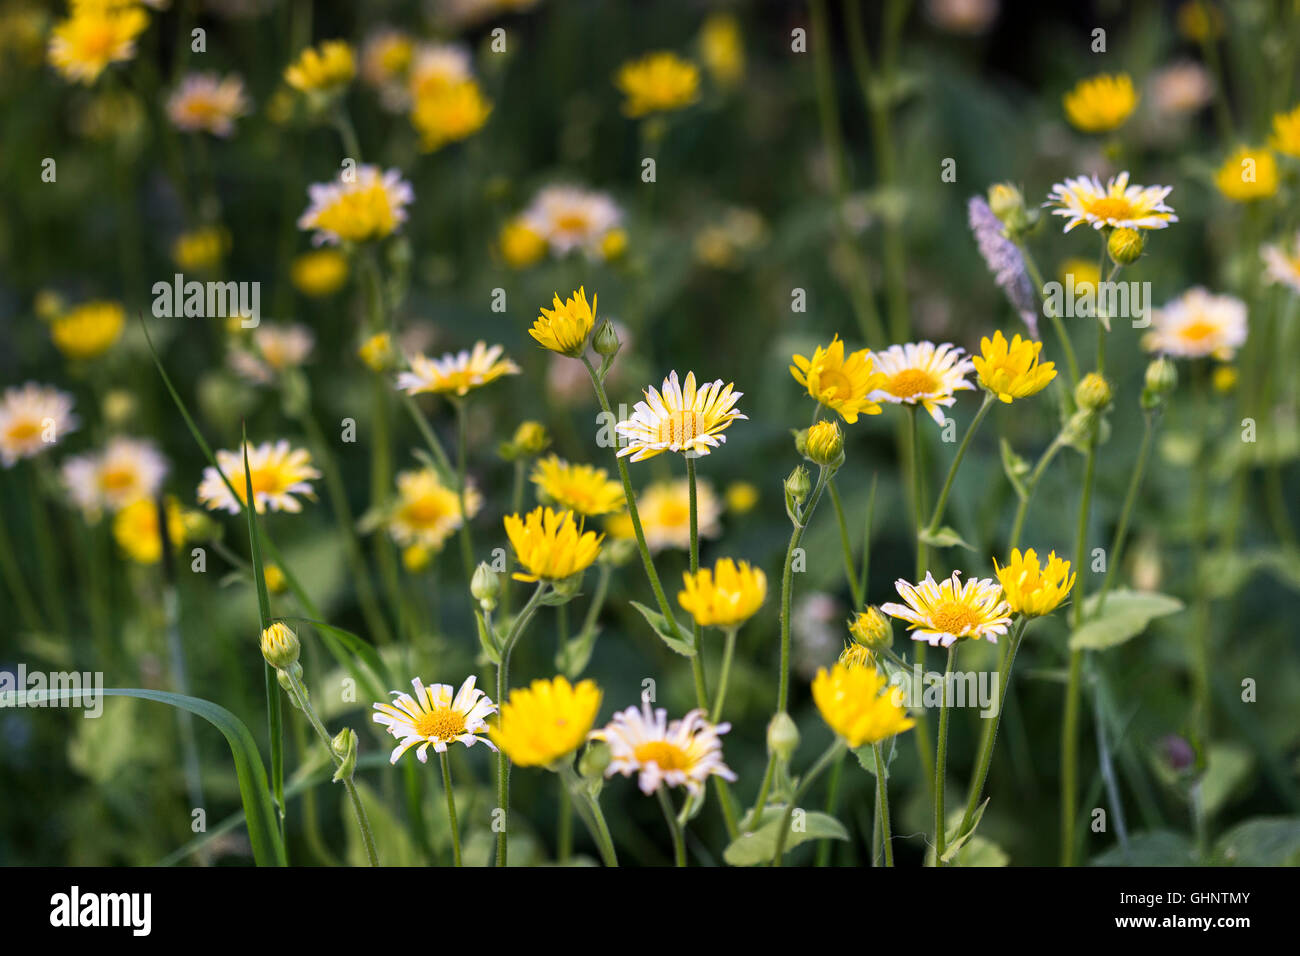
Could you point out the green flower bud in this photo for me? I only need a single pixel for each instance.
(605, 341)
(280, 646)
(782, 737)
(1007, 203)
(824, 444)
(872, 629)
(1160, 380)
(797, 485)
(594, 760)
(1125, 246)
(1093, 393)
(344, 746)
(485, 586)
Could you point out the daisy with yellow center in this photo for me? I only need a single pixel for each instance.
(565, 327)
(664, 509)
(520, 245)
(433, 717)
(456, 373)
(1101, 103)
(840, 383)
(200, 249)
(319, 273)
(658, 82)
(1282, 264)
(1286, 132)
(278, 473)
(448, 114)
(1119, 205)
(127, 469)
(583, 489)
(426, 511)
(437, 66)
(136, 530)
(361, 205)
(1198, 325)
(684, 753)
(386, 58)
(207, 103)
(726, 596)
(88, 330)
(324, 69)
(32, 419)
(942, 613)
(1012, 371)
(859, 705)
(1247, 175)
(569, 217)
(551, 545)
(1031, 588)
(93, 37)
(922, 373)
(546, 721)
(680, 419)
(276, 348)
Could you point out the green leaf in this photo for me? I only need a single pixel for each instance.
(1015, 467)
(665, 631)
(1264, 841)
(759, 847)
(263, 833)
(956, 841)
(1124, 616)
(486, 638)
(1150, 848)
(980, 851)
(945, 537)
(572, 659)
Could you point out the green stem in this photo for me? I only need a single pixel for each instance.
(1067, 347)
(451, 809)
(724, 676)
(787, 586)
(832, 752)
(1130, 498)
(466, 544)
(832, 806)
(882, 798)
(697, 659)
(589, 810)
(922, 729)
(941, 762)
(942, 503)
(989, 737)
(1023, 509)
(679, 845)
(849, 571)
(14, 580)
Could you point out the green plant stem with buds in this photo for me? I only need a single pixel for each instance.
(1130, 498)
(451, 809)
(787, 584)
(1023, 509)
(829, 756)
(941, 761)
(589, 809)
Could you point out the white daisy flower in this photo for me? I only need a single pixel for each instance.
(278, 473)
(1084, 200)
(682, 419)
(456, 372)
(361, 205)
(434, 717)
(126, 470)
(32, 418)
(276, 348)
(1198, 325)
(569, 218)
(684, 753)
(206, 102)
(1282, 264)
(921, 373)
(941, 613)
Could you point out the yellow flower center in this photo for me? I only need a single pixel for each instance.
(681, 427)
(98, 41)
(1198, 331)
(836, 382)
(953, 617)
(571, 222)
(116, 479)
(663, 754)
(23, 430)
(264, 481)
(1111, 208)
(424, 511)
(443, 723)
(912, 381)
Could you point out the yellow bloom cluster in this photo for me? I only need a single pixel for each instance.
(324, 69)
(88, 330)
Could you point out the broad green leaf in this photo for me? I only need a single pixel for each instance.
(980, 851)
(945, 537)
(759, 847)
(661, 627)
(1227, 768)
(1264, 841)
(955, 840)
(1150, 848)
(263, 833)
(1124, 616)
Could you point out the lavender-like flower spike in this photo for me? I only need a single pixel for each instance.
(1004, 261)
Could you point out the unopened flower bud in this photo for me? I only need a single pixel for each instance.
(605, 341)
(568, 587)
(872, 629)
(275, 580)
(1224, 378)
(280, 646)
(1160, 379)
(824, 443)
(344, 746)
(529, 441)
(594, 760)
(1093, 393)
(797, 485)
(1007, 203)
(1125, 246)
(485, 586)
(782, 736)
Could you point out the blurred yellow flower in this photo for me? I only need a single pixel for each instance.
(33, 419)
(450, 113)
(1248, 174)
(88, 330)
(1199, 20)
(726, 596)
(859, 705)
(1286, 132)
(583, 489)
(1086, 274)
(722, 49)
(1031, 588)
(416, 557)
(324, 69)
(427, 512)
(1012, 371)
(546, 721)
(658, 82)
(530, 439)
(613, 245)
(1101, 103)
(456, 373)
(93, 37)
(1198, 324)
(377, 351)
(565, 327)
(126, 469)
(741, 497)
(136, 530)
(319, 273)
(362, 204)
(277, 472)
(520, 244)
(680, 418)
(1224, 378)
(276, 582)
(664, 509)
(841, 383)
(551, 545)
(200, 250)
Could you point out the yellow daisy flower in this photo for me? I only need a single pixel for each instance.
(361, 205)
(942, 613)
(680, 419)
(1032, 589)
(520, 244)
(88, 330)
(664, 509)
(319, 273)
(583, 489)
(427, 512)
(859, 705)
(278, 473)
(1101, 103)
(457, 373)
(435, 718)
(922, 374)
(684, 753)
(565, 327)
(448, 114)
(1012, 371)
(200, 250)
(1084, 200)
(1198, 325)
(93, 37)
(551, 545)
(1286, 132)
(32, 419)
(840, 383)
(726, 596)
(1248, 174)
(658, 82)
(323, 69)
(548, 720)
(135, 528)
